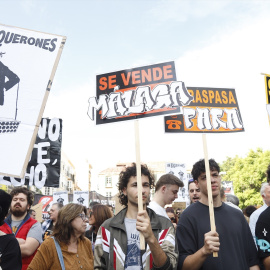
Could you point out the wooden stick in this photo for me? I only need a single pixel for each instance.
(209, 189)
(33, 140)
(139, 176)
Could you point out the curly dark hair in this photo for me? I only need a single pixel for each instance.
(268, 173)
(199, 167)
(124, 177)
(28, 193)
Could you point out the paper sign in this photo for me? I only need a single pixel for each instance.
(212, 110)
(179, 170)
(60, 197)
(81, 197)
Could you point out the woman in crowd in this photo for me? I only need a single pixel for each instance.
(10, 252)
(172, 216)
(74, 249)
(97, 216)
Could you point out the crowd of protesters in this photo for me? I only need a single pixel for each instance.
(75, 237)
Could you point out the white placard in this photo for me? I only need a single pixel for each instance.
(179, 170)
(81, 197)
(60, 197)
(28, 61)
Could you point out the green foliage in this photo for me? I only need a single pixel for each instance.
(247, 175)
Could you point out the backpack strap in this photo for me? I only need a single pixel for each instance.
(59, 253)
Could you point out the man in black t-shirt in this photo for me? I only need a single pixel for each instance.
(262, 233)
(232, 239)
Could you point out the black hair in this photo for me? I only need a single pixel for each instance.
(5, 201)
(124, 177)
(199, 167)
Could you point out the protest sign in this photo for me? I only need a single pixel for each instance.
(60, 197)
(81, 197)
(139, 92)
(44, 166)
(28, 61)
(179, 170)
(267, 91)
(47, 201)
(212, 110)
(136, 93)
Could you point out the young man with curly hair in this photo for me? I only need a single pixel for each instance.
(232, 238)
(118, 242)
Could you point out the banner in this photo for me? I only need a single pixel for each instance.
(60, 197)
(179, 170)
(47, 201)
(212, 110)
(28, 61)
(81, 197)
(44, 166)
(139, 92)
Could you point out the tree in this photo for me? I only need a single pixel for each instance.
(247, 175)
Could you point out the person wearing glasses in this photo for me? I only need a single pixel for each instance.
(97, 216)
(68, 244)
(166, 192)
(172, 216)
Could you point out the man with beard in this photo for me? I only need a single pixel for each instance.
(27, 230)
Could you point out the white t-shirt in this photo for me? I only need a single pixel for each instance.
(133, 257)
(158, 209)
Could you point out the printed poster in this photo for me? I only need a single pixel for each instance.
(28, 61)
(136, 93)
(60, 197)
(179, 170)
(44, 166)
(213, 110)
(81, 197)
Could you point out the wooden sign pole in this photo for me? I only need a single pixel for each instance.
(209, 188)
(139, 176)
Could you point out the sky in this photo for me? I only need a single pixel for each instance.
(222, 44)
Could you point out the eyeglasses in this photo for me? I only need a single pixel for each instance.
(83, 216)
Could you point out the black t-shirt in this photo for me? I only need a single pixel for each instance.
(262, 232)
(237, 247)
(10, 253)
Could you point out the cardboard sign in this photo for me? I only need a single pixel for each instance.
(136, 93)
(212, 110)
(44, 166)
(28, 61)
